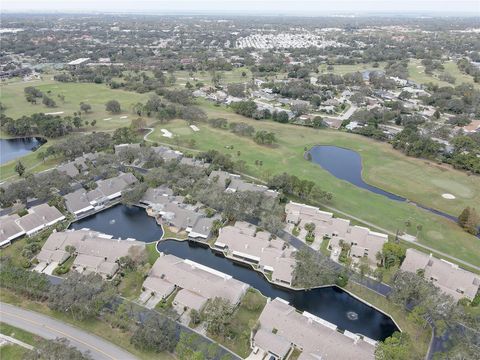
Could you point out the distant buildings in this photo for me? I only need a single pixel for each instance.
(283, 328)
(197, 283)
(452, 280)
(243, 243)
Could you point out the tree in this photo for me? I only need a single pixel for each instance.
(86, 108)
(396, 347)
(19, 168)
(264, 137)
(138, 124)
(313, 269)
(217, 315)
(272, 223)
(469, 220)
(56, 349)
(392, 254)
(41, 155)
(82, 297)
(156, 333)
(48, 102)
(77, 122)
(113, 106)
(132, 196)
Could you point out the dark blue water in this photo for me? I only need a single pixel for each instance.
(123, 222)
(11, 149)
(329, 303)
(346, 164)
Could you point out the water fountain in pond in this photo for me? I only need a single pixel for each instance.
(111, 222)
(352, 315)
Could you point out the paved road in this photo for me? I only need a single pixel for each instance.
(50, 328)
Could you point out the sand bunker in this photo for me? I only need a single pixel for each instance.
(448, 196)
(166, 133)
(194, 128)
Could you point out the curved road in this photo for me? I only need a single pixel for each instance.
(50, 328)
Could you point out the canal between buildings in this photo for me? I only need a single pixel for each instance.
(330, 303)
(11, 149)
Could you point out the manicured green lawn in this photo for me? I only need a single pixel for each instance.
(18, 334)
(418, 180)
(152, 253)
(12, 96)
(12, 352)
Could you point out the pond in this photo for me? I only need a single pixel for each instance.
(330, 303)
(122, 222)
(346, 164)
(11, 149)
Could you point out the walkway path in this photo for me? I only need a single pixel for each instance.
(50, 328)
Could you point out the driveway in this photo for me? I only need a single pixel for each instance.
(50, 328)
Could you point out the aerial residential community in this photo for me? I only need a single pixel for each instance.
(262, 180)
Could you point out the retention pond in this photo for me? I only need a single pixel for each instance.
(346, 164)
(330, 303)
(11, 149)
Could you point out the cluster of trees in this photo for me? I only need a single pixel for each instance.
(192, 182)
(30, 284)
(32, 94)
(461, 99)
(45, 125)
(76, 146)
(246, 108)
(41, 186)
(397, 69)
(470, 69)
(411, 142)
(304, 189)
(427, 303)
(264, 137)
(312, 269)
(86, 297)
(165, 111)
(59, 348)
(466, 153)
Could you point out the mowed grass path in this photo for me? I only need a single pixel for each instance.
(383, 167)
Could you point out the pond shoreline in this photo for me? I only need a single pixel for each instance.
(393, 196)
(282, 286)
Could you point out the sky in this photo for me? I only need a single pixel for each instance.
(258, 7)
